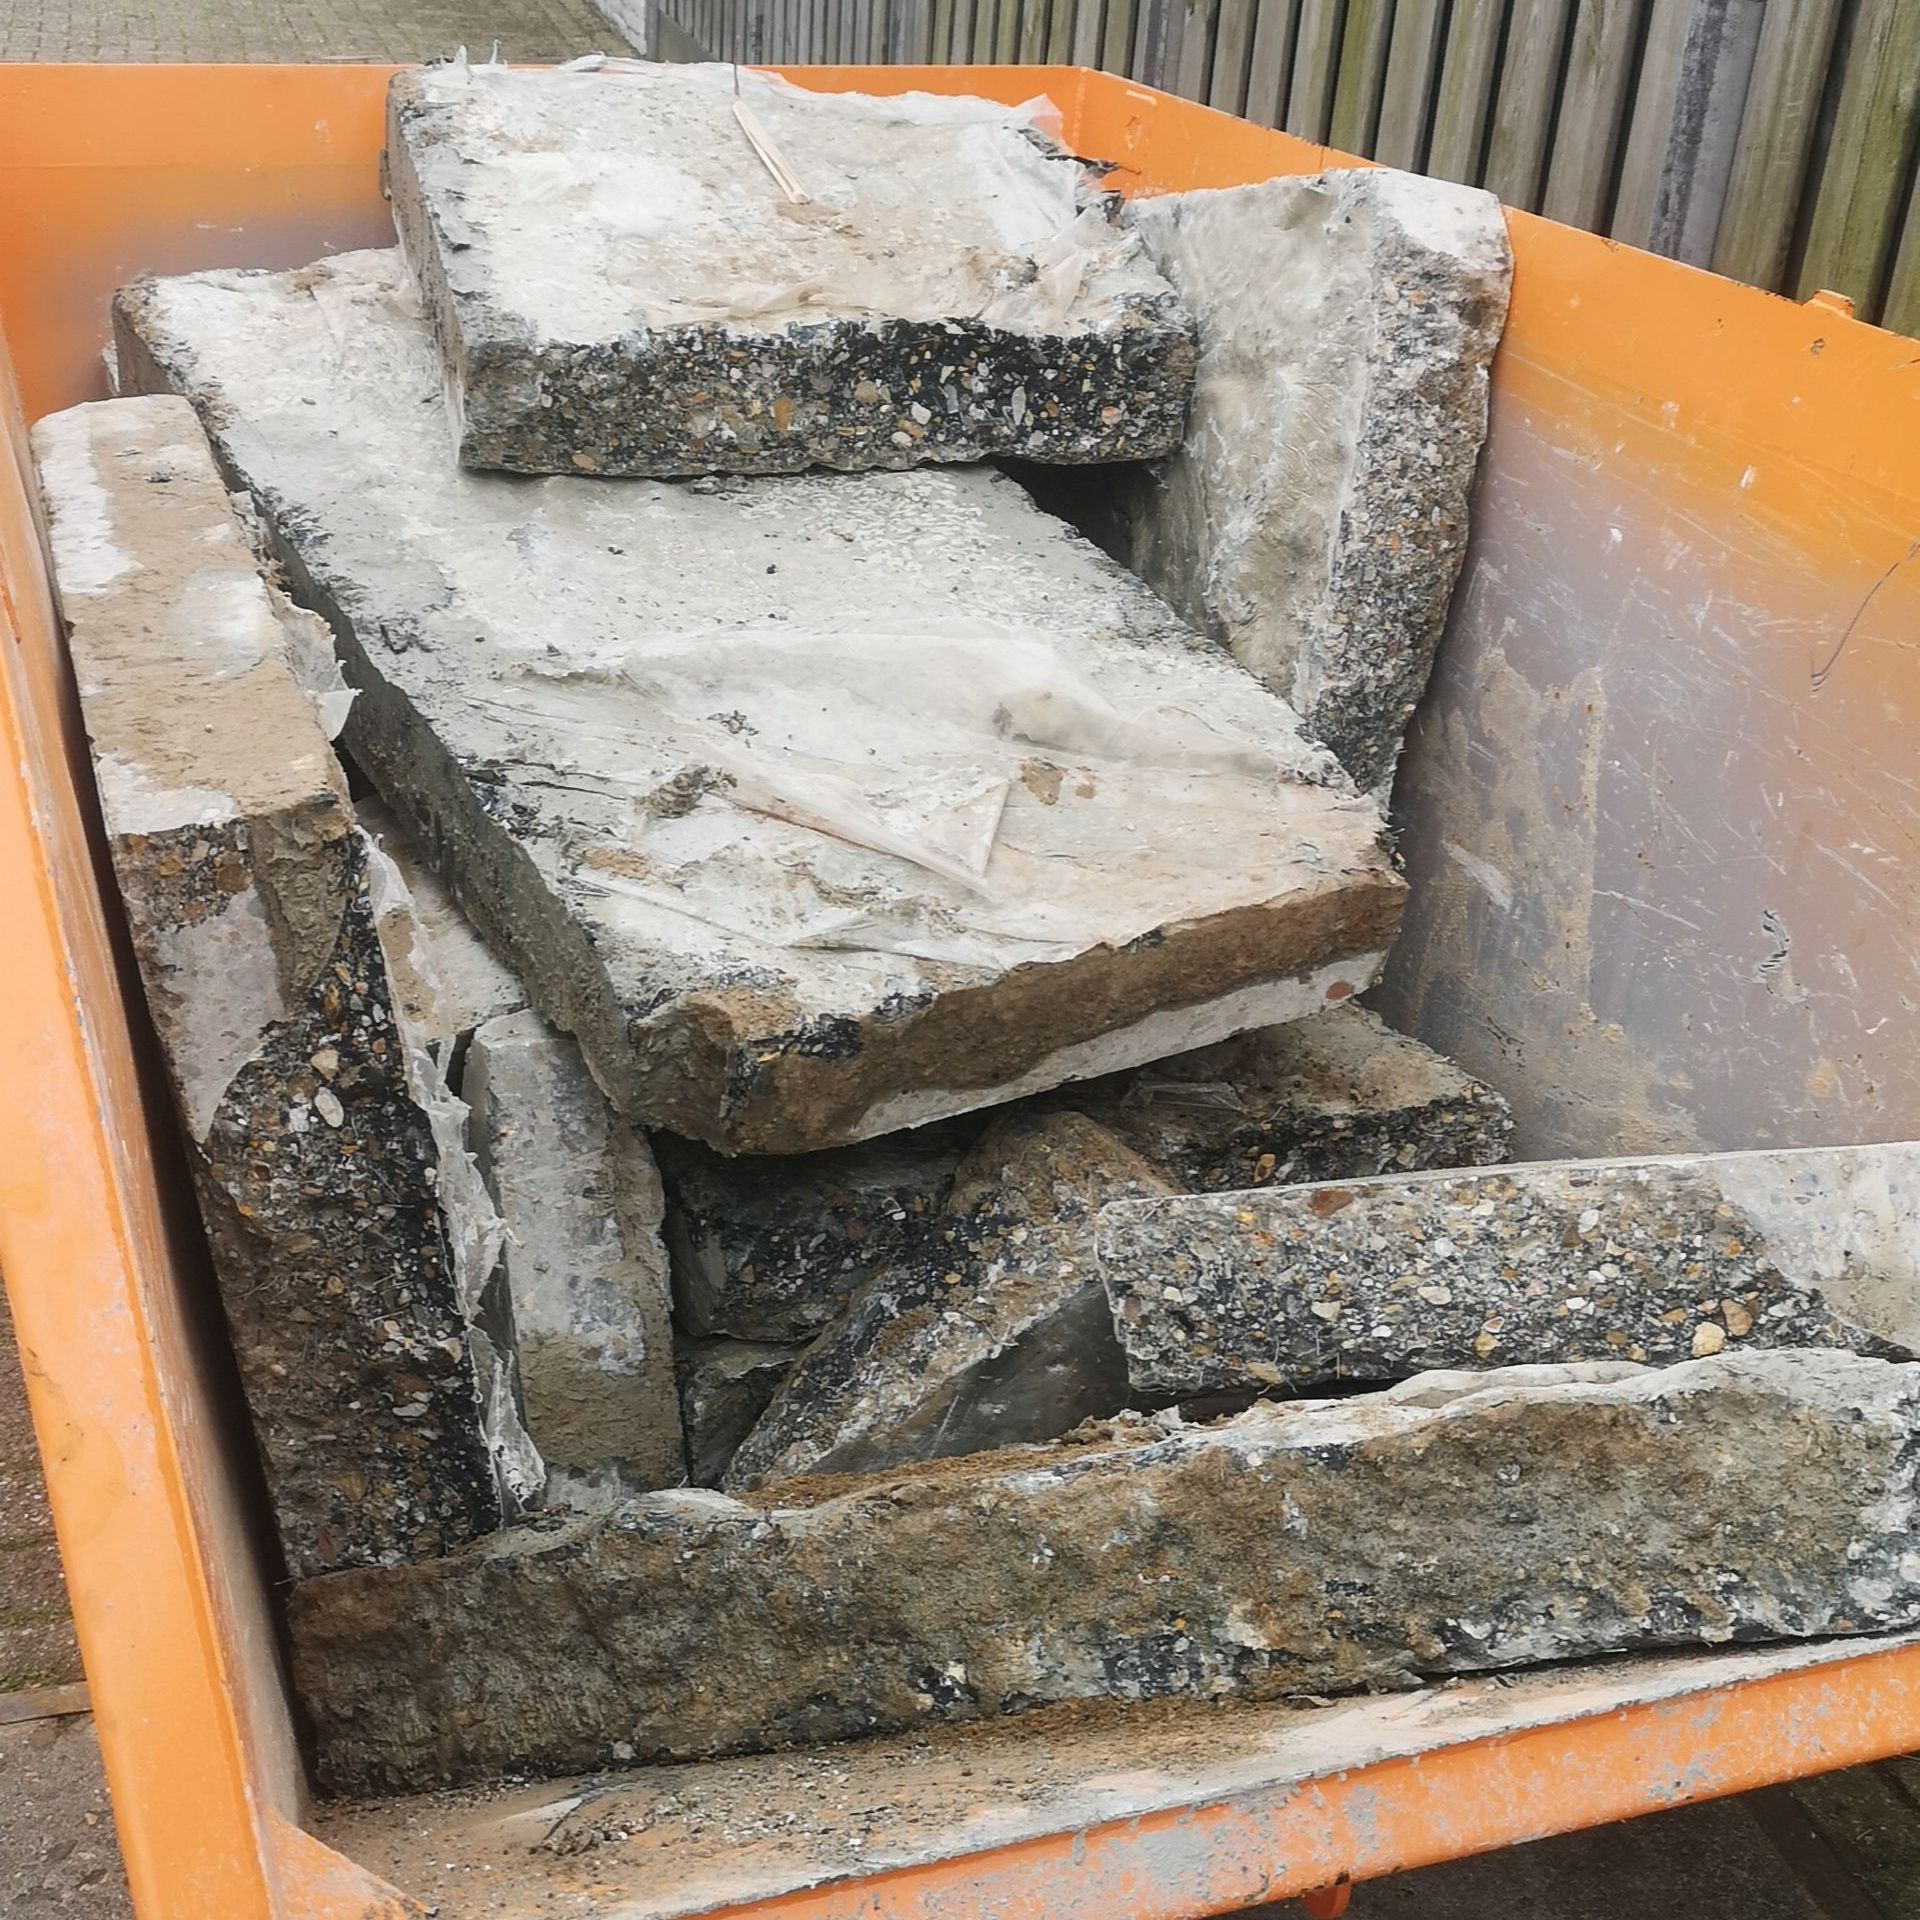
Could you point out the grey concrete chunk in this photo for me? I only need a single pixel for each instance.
(1642, 1260)
(1315, 517)
(1552, 1515)
(621, 287)
(724, 1388)
(584, 1264)
(815, 808)
(1337, 1097)
(996, 1331)
(258, 922)
(454, 982)
(773, 1248)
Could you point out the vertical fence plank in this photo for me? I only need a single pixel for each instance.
(1406, 96)
(1060, 33)
(1461, 106)
(1523, 106)
(1776, 140)
(1089, 20)
(1196, 48)
(1362, 73)
(982, 46)
(1006, 31)
(1903, 295)
(1651, 120)
(1316, 53)
(1270, 65)
(1861, 194)
(1593, 111)
(1033, 33)
(1232, 49)
(1116, 36)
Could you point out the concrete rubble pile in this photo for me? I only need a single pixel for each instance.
(779, 1129)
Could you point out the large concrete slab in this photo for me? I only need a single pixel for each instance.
(994, 1331)
(1459, 1524)
(1642, 1260)
(1316, 514)
(620, 286)
(252, 903)
(814, 807)
(584, 1264)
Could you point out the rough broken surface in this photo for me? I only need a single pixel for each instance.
(251, 904)
(724, 1388)
(1336, 1097)
(815, 807)
(996, 1331)
(620, 287)
(1315, 516)
(1456, 1525)
(773, 1248)
(585, 1267)
(1642, 1260)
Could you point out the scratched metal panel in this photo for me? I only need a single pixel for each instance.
(1661, 809)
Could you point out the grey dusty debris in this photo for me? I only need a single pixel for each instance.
(584, 1264)
(1336, 1097)
(996, 1331)
(1316, 515)
(773, 1248)
(724, 1388)
(1642, 1260)
(621, 287)
(258, 917)
(815, 808)
(1452, 1526)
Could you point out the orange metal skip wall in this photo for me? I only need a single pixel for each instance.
(107, 171)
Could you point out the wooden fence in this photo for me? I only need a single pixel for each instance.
(1773, 140)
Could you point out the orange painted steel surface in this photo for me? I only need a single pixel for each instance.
(1666, 377)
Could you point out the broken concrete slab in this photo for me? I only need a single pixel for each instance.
(1644, 1260)
(1316, 514)
(773, 1248)
(1336, 1097)
(620, 286)
(815, 808)
(724, 1388)
(1318, 1548)
(251, 902)
(584, 1264)
(458, 983)
(996, 1331)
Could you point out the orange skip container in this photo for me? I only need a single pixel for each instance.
(1664, 382)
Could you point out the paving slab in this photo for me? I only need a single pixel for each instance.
(813, 807)
(994, 1331)
(621, 286)
(1316, 514)
(1459, 1524)
(1644, 1260)
(583, 1262)
(256, 915)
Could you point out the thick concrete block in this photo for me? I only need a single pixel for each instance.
(1315, 516)
(1642, 1260)
(996, 1331)
(815, 808)
(1337, 1097)
(724, 1388)
(1452, 1526)
(258, 924)
(585, 1267)
(620, 287)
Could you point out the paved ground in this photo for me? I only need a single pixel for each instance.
(299, 30)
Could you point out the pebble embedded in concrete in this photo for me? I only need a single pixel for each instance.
(1641, 1260)
(623, 288)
